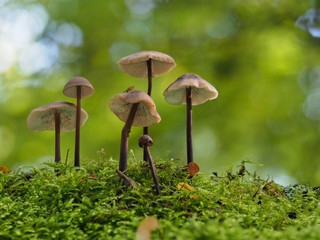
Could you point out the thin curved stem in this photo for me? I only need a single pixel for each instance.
(77, 141)
(146, 129)
(153, 171)
(189, 125)
(57, 137)
(125, 138)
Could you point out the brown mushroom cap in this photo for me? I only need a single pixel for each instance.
(146, 114)
(43, 118)
(70, 89)
(135, 64)
(201, 90)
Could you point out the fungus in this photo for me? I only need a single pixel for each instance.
(190, 89)
(146, 64)
(145, 142)
(134, 108)
(78, 87)
(58, 116)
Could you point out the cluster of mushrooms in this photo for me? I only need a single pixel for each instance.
(63, 116)
(135, 108)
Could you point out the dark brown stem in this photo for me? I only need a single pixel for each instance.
(153, 171)
(57, 137)
(77, 144)
(125, 137)
(146, 129)
(149, 76)
(189, 125)
(145, 154)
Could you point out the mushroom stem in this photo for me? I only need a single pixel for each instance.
(149, 76)
(189, 125)
(77, 142)
(146, 129)
(153, 171)
(57, 137)
(145, 154)
(125, 137)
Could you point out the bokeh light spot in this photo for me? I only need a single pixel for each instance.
(223, 26)
(7, 56)
(68, 34)
(140, 7)
(38, 56)
(138, 28)
(311, 105)
(310, 22)
(308, 81)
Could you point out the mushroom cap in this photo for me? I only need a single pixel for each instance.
(135, 65)
(70, 89)
(43, 118)
(145, 140)
(201, 90)
(146, 114)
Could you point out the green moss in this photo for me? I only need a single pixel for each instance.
(80, 205)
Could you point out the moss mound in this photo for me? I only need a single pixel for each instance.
(90, 204)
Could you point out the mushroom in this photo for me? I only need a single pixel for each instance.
(145, 142)
(78, 87)
(134, 108)
(146, 64)
(190, 89)
(55, 116)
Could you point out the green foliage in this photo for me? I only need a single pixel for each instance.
(91, 203)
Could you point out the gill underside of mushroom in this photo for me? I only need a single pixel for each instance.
(189, 124)
(146, 129)
(77, 140)
(125, 138)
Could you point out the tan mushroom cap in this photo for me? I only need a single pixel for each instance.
(70, 89)
(201, 90)
(43, 118)
(135, 64)
(146, 114)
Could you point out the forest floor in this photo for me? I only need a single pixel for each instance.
(90, 203)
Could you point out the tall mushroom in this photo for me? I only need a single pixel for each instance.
(55, 116)
(146, 64)
(78, 87)
(190, 89)
(134, 108)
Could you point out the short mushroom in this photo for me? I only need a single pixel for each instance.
(146, 64)
(190, 89)
(145, 142)
(55, 116)
(134, 108)
(78, 87)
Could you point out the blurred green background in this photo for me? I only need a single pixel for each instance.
(261, 55)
